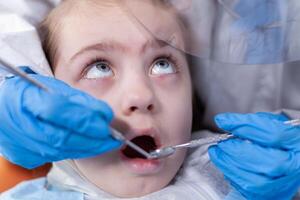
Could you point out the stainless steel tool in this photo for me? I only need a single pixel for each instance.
(16, 71)
(168, 151)
(119, 136)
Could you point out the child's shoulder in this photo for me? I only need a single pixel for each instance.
(36, 189)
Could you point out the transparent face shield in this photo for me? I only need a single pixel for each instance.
(226, 31)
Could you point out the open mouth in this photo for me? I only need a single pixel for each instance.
(146, 142)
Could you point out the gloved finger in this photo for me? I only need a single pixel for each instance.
(230, 121)
(47, 137)
(263, 128)
(58, 88)
(239, 177)
(73, 147)
(51, 83)
(33, 159)
(252, 185)
(30, 161)
(52, 134)
(271, 189)
(254, 158)
(77, 144)
(274, 189)
(92, 103)
(44, 137)
(73, 94)
(107, 146)
(91, 151)
(60, 111)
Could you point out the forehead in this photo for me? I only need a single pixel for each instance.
(117, 22)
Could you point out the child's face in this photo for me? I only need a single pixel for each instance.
(147, 83)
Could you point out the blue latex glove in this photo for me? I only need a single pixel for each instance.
(263, 162)
(39, 127)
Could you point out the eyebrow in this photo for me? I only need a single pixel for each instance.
(112, 45)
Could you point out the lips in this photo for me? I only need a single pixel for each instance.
(135, 163)
(146, 142)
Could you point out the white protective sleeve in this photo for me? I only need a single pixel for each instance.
(19, 39)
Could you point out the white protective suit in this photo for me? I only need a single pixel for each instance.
(240, 87)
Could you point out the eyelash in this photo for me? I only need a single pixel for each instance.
(92, 61)
(168, 57)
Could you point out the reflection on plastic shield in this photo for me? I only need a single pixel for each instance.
(229, 31)
(164, 27)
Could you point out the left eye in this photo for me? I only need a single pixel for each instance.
(100, 69)
(163, 66)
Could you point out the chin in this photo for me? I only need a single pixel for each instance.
(135, 186)
(129, 174)
(138, 190)
(146, 176)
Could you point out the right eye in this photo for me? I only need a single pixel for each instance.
(99, 69)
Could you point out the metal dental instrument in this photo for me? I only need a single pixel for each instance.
(170, 150)
(15, 71)
(119, 136)
(293, 122)
(167, 151)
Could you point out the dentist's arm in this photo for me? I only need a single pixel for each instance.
(37, 127)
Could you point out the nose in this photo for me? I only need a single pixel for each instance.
(139, 97)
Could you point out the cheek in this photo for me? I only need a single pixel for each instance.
(102, 89)
(62, 75)
(94, 87)
(180, 119)
(175, 97)
(97, 88)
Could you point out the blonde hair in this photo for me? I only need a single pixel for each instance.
(54, 22)
(50, 26)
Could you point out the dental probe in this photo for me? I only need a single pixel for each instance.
(15, 71)
(119, 136)
(170, 150)
(293, 122)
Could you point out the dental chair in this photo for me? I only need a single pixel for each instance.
(12, 174)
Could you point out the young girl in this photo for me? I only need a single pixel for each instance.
(98, 47)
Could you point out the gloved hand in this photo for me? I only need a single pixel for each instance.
(38, 126)
(263, 161)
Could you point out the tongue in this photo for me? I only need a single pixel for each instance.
(145, 142)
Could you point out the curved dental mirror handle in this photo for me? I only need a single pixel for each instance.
(119, 136)
(170, 150)
(17, 72)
